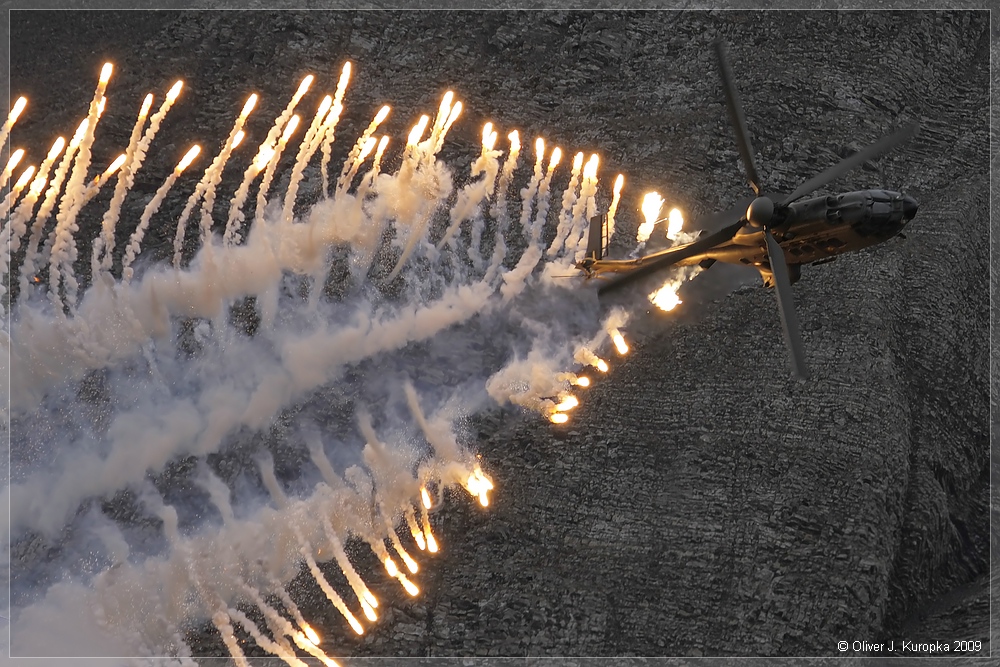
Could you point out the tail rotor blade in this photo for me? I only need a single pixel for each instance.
(786, 306)
(850, 162)
(736, 117)
(595, 242)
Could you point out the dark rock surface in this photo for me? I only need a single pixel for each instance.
(701, 503)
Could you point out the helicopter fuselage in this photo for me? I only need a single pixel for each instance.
(809, 231)
(820, 228)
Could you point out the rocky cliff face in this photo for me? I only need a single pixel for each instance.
(701, 502)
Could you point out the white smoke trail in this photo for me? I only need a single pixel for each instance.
(565, 215)
(584, 209)
(126, 177)
(15, 113)
(306, 150)
(331, 125)
(176, 380)
(514, 281)
(359, 150)
(64, 245)
(15, 192)
(499, 210)
(48, 203)
(473, 194)
(135, 241)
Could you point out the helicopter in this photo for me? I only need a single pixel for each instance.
(774, 233)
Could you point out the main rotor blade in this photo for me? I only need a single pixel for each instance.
(786, 306)
(850, 162)
(736, 116)
(671, 257)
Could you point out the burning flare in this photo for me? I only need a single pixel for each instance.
(15, 112)
(666, 297)
(106, 73)
(567, 403)
(418, 131)
(188, 158)
(559, 418)
(15, 158)
(311, 634)
(619, 340)
(675, 222)
(478, 485)
(651, 205)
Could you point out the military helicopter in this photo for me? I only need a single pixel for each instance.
(765, 230)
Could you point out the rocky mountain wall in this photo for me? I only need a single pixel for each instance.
(700, 502)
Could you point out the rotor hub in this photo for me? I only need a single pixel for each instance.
(760, 211)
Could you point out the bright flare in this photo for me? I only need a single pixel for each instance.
(114, 166)
(174, 91)
(248, 107)
(418, 537)
(188, 158)
(16, 111)
(106, 73)
(556, 156)
(311, 634)
(238, 138)
(489, 137)
(582, 381)
(567, 403)
(411, 564)
(56, 149)
(418, 131)
(515, 141)
(81, 131)
(651, 205)
(38, 185)
(559, 418)
(425, 497)
(619, 340)
(355, 625)
(666, 297)
(453, 116)
(382, 114)
(14, 159)
(675, 223)
(619, 183)
(263, 157)
(25, 177)
(367, 149)
(602, 365)
(304, 86)
(432, 544)
(290, 128)
(390, 567)
(408, 585)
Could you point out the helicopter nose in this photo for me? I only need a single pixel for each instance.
(909, 207)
